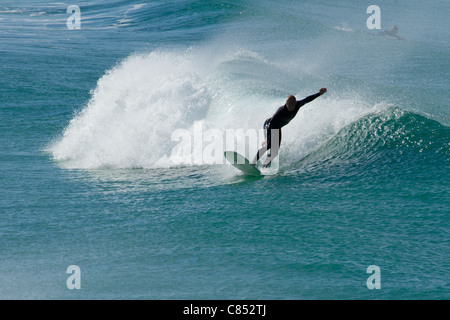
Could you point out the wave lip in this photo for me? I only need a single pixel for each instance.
(389, 136)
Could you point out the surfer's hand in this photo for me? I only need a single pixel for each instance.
(322, 91)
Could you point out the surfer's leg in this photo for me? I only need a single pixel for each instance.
(274, 148)
(266, 147)
(259, 154)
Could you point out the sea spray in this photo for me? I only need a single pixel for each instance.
(140, 106)
(135, 107)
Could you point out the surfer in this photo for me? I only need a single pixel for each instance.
(273, 125)
(392, 33)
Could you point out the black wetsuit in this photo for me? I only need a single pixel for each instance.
(282, 117)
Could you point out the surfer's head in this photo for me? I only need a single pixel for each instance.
(290, 102)
(394, 30)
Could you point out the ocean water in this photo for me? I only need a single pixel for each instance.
(92, 176)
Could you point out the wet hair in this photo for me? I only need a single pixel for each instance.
(291, 100)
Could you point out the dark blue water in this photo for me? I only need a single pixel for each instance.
(92, 176)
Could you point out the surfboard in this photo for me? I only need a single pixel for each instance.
(242, 163)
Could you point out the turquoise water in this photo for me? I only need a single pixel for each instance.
(90, 175)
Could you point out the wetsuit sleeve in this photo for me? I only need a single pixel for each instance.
(301, 103)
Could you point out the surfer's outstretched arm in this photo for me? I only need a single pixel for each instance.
(310, 98)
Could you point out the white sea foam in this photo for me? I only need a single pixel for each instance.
(139, 104)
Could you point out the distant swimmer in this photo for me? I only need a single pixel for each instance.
(392, 33)
(272, 126)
